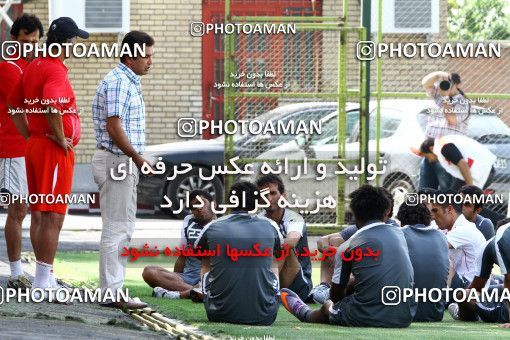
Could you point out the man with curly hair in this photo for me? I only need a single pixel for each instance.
(366, 306)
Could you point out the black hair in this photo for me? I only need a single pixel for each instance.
(369, 203)
(390, 198)
(455, 80)
(426, 145)
(193, 194)
(457, 206)
(29, 23)
(246, 189)
(429, 192)
(414, 214)
(271, 179)
(54, 38)
(135, 38)
(502, 222)
(474, 193)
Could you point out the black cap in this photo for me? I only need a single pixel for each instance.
(66, 28)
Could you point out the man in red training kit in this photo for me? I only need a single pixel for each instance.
(49, 103)
(26, 29)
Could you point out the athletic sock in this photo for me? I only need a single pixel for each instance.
(42, 275)
(164, 293)
(52, 281)
(16, 269)
(303, 313)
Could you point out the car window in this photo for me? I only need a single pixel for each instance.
(352, 120)
(330, 129)
(390, 121)
(302, 116)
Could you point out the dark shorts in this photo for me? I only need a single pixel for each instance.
(265, 322)
(336, 312)
(301, 286)
(493, 312)
(457, 282)
(190, 278)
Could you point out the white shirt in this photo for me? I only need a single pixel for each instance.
(468, 244)
(477, 156)
(291, 221)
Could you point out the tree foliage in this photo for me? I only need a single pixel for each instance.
(479, 20)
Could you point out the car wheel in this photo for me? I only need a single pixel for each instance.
(177, 188)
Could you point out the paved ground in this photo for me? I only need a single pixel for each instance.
(77, 321)
(81, 321)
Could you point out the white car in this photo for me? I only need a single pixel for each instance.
(402, 127)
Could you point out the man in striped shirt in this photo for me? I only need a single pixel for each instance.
(118, 112)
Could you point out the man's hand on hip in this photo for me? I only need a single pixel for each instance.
(65, 143)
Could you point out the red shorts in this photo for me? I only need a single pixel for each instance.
(49, 174)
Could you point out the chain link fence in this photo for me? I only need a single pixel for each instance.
(303, 77)
(470, 38)
(296, 83)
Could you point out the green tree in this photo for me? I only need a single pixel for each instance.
(478, 20)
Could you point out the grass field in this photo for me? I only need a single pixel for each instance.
(83, 267)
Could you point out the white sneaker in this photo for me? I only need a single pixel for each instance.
(164, 293)
(320, 293)
(453, 309)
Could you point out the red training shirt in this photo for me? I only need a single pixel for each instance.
(45, 83)
(12, 144)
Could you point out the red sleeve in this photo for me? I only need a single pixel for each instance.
(16, 98)
(10, 75)
(55, 87)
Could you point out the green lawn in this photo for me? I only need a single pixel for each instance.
(84, 267)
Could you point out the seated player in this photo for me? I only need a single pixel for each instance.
(237, 288)
(465, 241)
(497, 251)
(471, 211)
(428, 250)
(179, 283)
(365, 307)
(320, 293)
(295, 271)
